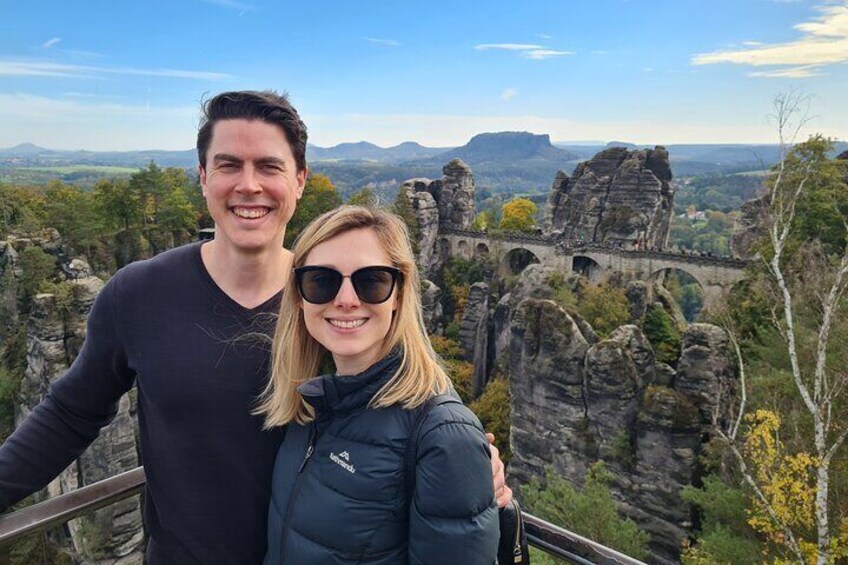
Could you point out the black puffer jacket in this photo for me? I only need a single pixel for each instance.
(338, 494)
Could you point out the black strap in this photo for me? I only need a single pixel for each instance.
(412, 442)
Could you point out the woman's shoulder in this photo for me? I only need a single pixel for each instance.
(449, 420)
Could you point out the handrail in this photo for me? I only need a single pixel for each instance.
(60, 509)
(57, 510)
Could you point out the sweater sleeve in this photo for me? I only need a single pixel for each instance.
(453, 516)
(77, 406)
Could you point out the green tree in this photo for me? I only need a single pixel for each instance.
(519, 214)
(37, 267)
(21, 209)
(319, 196)
(660, 330)
(364, 197)
(590, 512)
(605, 307)
(492, 408)
(73, 212)
(177, 216)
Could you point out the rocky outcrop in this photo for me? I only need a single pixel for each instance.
(426, 212)
(748, 230)
(432, 306)
(474, 333)
(55, 333)
(619, 197)
(456, 199)
(574, 403)
(447, 203)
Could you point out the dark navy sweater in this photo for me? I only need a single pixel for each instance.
(199, 362)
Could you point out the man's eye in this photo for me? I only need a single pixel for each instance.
(227, 166)
(273, 168)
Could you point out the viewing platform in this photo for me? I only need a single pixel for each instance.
(53, 512)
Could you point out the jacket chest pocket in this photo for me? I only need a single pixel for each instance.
(370, 473)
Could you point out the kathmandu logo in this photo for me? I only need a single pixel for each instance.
(343, 461)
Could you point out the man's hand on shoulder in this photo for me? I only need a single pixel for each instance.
(502, 492)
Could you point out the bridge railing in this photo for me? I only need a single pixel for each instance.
(53, 512)
(571, 247)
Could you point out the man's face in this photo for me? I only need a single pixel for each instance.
(251, 185)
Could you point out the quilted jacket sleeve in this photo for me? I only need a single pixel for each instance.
(453, 516)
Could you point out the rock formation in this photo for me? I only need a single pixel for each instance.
(474, 333)
(575, 402)
(426, 212)
(619, 197)
(55, 333)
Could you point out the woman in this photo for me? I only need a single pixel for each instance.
(338, 491)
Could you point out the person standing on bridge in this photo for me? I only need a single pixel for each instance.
(174, 326)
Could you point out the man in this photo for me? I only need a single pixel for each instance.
(185, 327)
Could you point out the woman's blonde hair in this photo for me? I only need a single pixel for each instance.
(296, 355)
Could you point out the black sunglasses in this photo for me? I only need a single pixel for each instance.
(320, 285)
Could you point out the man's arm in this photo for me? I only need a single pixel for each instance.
(71, 415)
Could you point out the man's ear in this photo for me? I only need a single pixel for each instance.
(301, 181)
(201, 172)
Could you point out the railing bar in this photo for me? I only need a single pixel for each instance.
(58, 510)
(558, 551)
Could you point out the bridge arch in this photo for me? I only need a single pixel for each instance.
(587, 267)
(517, 259)
(481, 252)
(689, 292)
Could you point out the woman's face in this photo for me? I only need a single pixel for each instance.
(352, 330)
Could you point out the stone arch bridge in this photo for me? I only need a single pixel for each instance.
(715, 275)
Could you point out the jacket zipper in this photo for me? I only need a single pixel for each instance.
(517, 557)
(310, 448)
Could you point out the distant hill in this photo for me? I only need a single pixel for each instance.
(364, 151)
(507, 146)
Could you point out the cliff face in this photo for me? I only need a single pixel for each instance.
(576, 400)
(619, 197)
(55, 333)
(447, 203)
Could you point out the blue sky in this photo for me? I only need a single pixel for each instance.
(104, 75)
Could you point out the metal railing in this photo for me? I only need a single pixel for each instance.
(55, 511)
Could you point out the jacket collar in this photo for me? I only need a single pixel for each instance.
(333, 393)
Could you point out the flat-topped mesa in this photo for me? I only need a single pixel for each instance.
(619, 197)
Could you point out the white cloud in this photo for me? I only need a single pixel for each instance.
(387, 42)
(233, 4)
(507, 46)
(539, 54)
(824, 41)
(12, 67)
(509, 93)
(51, 42)
(526, 50)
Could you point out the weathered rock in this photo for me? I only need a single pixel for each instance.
(638, 294)
(706, 368)
(55, 332)
(748, 230)
(474, 335)
(619, 197)
(456, 201)
(432, 306)
(427, 215)
(573, 405)
(546, 382)
(670, 305)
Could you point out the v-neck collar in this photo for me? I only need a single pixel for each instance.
(225, 298)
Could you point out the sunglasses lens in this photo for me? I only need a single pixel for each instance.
(319, 286)
(374, 284)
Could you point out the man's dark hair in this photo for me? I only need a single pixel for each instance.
(266, 105)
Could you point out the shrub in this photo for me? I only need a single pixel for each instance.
(590, 512)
